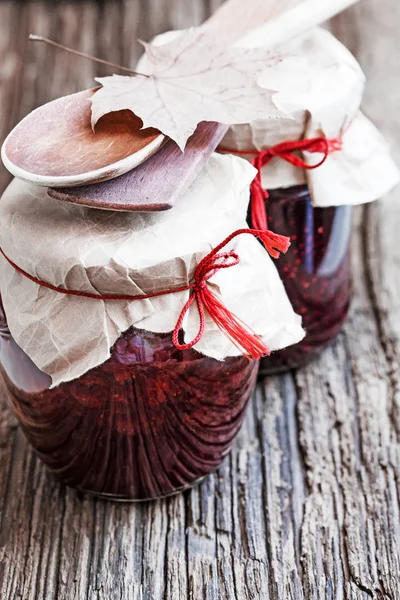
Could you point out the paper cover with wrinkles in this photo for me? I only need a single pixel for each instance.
(129, 253)
(320, 85)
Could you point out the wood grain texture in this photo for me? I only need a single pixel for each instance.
(307, 505)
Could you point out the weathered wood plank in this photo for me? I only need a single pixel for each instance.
(307, 505)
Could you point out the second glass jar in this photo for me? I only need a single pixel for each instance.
(316, 271)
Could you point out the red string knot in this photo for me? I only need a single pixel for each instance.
(206, 300)
(287, 151)
(336, 145)
(210, 265)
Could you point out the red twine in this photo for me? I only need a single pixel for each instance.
(286, 151)
(242, 336)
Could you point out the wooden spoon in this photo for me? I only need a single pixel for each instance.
(155, 185)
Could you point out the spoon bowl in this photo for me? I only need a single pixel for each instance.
(55, 146)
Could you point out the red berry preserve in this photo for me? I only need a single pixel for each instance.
(150, 421)
(315, 271)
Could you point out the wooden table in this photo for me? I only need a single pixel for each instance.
(307, 505)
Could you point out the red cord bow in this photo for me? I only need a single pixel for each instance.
(239, 334)
(242, 336)
(286, 151)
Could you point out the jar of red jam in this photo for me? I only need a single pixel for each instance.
(125, 381)
(316, 271)
(152, 420)
(311, 169)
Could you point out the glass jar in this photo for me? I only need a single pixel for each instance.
(152, 420)
(316, 270)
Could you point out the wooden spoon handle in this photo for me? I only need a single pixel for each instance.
(237, 18)
(275, 21)
(297, 20)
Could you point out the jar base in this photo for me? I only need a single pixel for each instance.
(266, 368)
(126, 500)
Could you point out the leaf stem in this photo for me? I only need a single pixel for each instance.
(39, 38)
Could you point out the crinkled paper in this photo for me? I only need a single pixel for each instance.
(128, 253)
(320, 84)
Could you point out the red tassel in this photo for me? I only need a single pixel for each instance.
(274, 243)
(244, 338)
(240, 335)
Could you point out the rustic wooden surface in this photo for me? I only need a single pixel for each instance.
(307, 505)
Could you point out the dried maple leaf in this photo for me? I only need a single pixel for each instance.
(190, 80)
